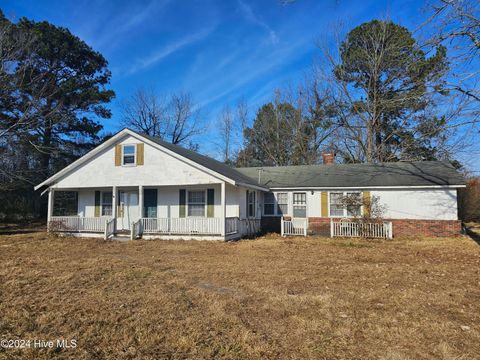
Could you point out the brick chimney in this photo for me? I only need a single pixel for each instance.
(328, 157)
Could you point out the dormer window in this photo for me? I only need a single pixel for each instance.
(128, 155)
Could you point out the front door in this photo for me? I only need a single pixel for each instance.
(127, 211)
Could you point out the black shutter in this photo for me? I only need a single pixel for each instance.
(210, 202)
(182, 202)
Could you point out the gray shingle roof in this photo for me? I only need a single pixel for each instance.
(206, 161)
(421, 173)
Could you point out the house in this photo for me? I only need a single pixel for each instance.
(138, 185)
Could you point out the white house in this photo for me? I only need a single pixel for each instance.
(141, 186)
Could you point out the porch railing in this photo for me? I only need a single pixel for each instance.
(109, 228)
(231, 225)
(77, 224)
(361, 229)
(294, 226)
(249, 227)
(182, 226)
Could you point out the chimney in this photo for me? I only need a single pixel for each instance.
(328, 157)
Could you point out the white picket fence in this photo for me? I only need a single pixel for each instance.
(381, 230)
(77, 224)
(294, 226)
(182, 226)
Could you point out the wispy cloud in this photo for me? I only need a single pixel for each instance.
(248, 13)
(168, 50)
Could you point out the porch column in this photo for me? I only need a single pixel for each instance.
(222, 206)
(51, 194)
(140, 200)
(114, 207)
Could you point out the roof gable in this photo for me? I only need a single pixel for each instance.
(200, 162)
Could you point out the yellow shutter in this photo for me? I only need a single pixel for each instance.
(366, 203)
(118, 155)
(140, 156)
(324, 204)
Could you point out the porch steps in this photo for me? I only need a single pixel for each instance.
(121, 237)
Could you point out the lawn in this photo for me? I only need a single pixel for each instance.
(265, 298)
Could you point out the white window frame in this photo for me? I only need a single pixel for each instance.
(278, 213)
(254, 216)
(134, 155)
(299, 205)
(187, 203)
(345, 211)
(102, 203)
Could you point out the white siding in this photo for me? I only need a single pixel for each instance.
(427, 204)
(160, 169)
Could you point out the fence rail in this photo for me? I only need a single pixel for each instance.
(110, 228)
(231, 225)
(249, 227)
(294, 227)
(360, 229)
(182, 226)
(77, 224)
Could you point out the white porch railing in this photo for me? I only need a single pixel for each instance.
(182, 226)
(359, 229)
(249, 227)
(231, 225)
(77, 224)
(295, 226)
(137, 230)
(109, 228)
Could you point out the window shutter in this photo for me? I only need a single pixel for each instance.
(182, 203)
(140, 151)
(210, 202)
(97, 203)
(324, 204)
(366, 203)
(118, 155)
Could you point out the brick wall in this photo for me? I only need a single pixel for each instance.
(408, 228)
(401, 228)
(319, 226)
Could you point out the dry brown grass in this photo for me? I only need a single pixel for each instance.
(268, 298)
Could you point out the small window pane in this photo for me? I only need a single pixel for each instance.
(299, 211)
(129, 149)
(196, 203)
(299, 198)
(106, 204)
(282, 200)
(128, 154)
(196, 210)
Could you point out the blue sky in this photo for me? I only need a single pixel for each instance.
(220, 51)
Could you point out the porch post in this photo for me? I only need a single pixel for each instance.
(51, 194)
(222, 206)
(140, 200)
(114, 208)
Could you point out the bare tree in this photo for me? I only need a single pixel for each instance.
(174, 119)
(226, 124)
(144, 112)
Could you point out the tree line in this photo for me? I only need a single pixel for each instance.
(380, 92)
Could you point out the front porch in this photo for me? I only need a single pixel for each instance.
(177, 212)
(157, 227)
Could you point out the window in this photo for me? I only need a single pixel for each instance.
(346, 204)
(106, 204)
(65, 203)
(282, 201)
(128, 155)
(268, 204)
(196, 203)
(251, 204)
(300, 205)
